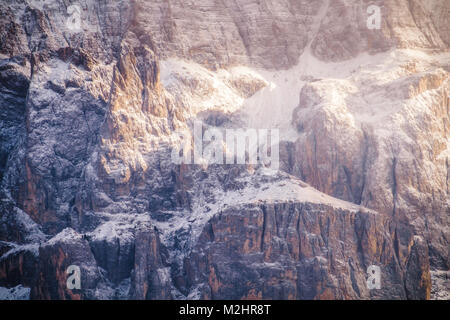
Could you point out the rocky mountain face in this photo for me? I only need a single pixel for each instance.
(88, 125)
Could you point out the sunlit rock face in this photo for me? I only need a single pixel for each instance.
(383, 145)
(90, 116)
(298, 251)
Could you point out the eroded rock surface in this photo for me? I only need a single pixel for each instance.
(87, 123)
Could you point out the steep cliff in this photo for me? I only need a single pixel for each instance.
(87, 127)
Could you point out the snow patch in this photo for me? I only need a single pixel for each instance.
(68, 235)
(17, 293)
(32, 248)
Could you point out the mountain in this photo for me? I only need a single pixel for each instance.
(94, 94)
